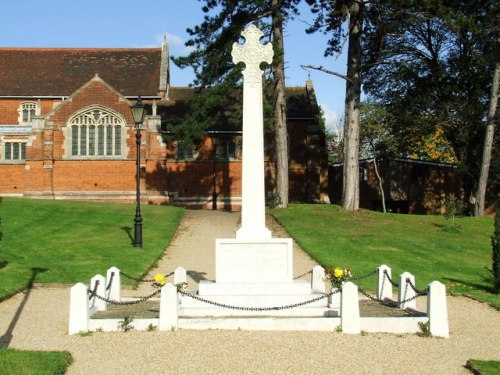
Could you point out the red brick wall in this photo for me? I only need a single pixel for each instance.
(12, 180)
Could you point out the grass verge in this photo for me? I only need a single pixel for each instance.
(418, 244)
(20, 362)
(49, 241)
(479, 367)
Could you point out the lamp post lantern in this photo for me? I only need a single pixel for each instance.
(138, 112)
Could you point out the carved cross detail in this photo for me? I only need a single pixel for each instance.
(252, 53)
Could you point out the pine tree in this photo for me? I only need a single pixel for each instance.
(212, 62)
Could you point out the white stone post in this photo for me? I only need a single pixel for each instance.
(180, 275)
(384, 286)
(78, 309)
(253, 205)
(437, 310)
(114, 291)
(318, 279)
(349, 309)
(168, 308)
(98, 303)
(406, 291)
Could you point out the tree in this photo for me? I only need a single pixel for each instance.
(488, 144)
(211, 60)
(376, 141)
(330, 18)
(432, 70)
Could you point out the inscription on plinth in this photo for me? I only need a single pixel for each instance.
(255, 261)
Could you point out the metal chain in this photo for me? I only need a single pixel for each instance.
(143, 280)
(363, 276)
(93, 292)
(390, 280)
(390, 303)
(142, 299)
(273, 308)
(110, 281)
(421, 292)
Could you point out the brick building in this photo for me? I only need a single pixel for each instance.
(67, 132)
(410, 186)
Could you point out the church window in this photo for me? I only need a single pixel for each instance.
(15, 150)
(27, 111)
(96, 132)
(227, 150)
(184, 151)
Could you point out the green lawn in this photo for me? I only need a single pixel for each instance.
(49, 241)
(484, 367)
(16, 362)
(418, 244)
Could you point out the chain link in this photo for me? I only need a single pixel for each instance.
(421, 292)
(141, 299)
(273, 308)
(93, 293)
(390, 303)
(390, 280)
(143, 280)
(363, 276)
(110, 281)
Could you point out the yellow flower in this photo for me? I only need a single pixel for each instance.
(338, 272)
(160, 279)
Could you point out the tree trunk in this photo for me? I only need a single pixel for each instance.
(488, 145)
(281, 134)
(380, 184)
(350, 191)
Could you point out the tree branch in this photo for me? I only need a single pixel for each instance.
(321, 69)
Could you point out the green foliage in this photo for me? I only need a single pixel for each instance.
(415, 243)
(495, 240)
(275, 200)
(483, 367)
(425, 329)
(376, 139)
(34, 362)
(430, 65)
(455, 208)
(126, 324)
(85, 333)
(151, 328)
(48, 241)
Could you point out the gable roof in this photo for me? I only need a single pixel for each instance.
(301, 101)
(42, 72)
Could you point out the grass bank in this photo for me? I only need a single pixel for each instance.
(418, 244)
(49, 241)
(34, 362)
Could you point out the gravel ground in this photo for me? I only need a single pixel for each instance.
(38, 320)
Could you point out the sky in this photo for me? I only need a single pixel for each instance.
(143, 23)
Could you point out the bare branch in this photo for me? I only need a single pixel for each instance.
(321, 69)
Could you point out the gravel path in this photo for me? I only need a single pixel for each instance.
(38, 320)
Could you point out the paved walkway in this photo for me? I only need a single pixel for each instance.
(38, 320)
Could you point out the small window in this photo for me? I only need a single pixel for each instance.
(227, 150)
(27, 111)
(184, 152)
(15, 150)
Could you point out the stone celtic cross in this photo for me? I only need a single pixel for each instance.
(252, 53)
(253, 202)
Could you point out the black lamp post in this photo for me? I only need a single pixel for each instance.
(138, 111)
(215, 142)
